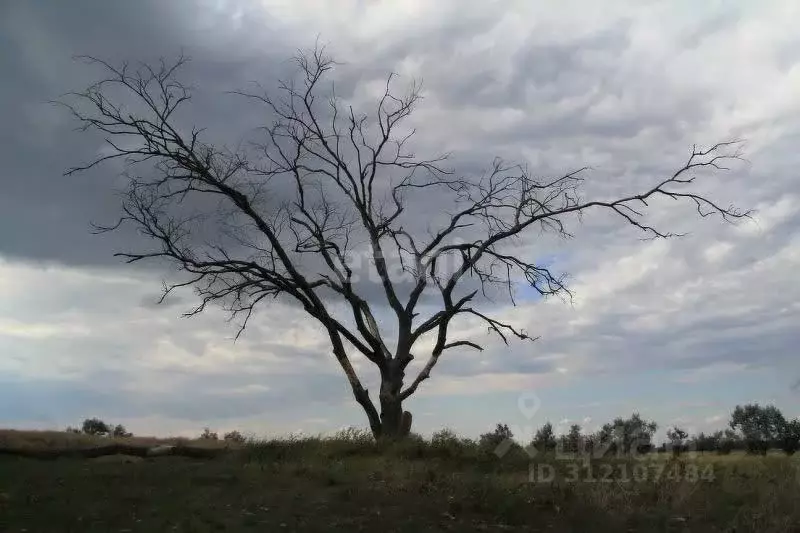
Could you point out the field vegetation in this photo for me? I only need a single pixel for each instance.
(348, 481)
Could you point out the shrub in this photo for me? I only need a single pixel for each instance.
(444, 438)
(626, 435)
(545, 439)
(412, 446)
(98, 428)
(120, 431)
(234, 436)
(490, 441)
(707, 443)
(354, 435)
(207, 434)
(446, 443)
(95, 426)
(790, 437)
(573, 441)
(677, 439)
(758, 426)
(728, 442)
(347, 441)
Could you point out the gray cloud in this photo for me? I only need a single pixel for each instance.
(52, 213)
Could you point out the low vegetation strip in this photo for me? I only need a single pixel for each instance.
(116, 448)
(101, 478)
(349, 483)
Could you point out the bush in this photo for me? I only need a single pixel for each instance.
(758, 426)
(354, 435)
(120, 431)
(626, 435)
(446, 443)
(95, 426)
(234, 436)
(728, 442)
(545, 438)
(573, 441)
(207, 434)
(347, 441)
(677, 439)
(490, 441)
(412, 446)
(756, 446)
(707, 443)
(790, 437)
(445, 438)
(98, 428)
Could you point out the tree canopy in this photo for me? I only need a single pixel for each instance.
(283, 216)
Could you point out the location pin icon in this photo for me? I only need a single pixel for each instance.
(529, 404)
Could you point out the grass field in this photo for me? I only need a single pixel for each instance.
(348, 484)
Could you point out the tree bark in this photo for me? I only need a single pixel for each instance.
(391, 418)
(395, 423)
(405, 424)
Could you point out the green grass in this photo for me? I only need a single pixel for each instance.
(350, 484)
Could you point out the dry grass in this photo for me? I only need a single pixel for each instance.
(351, 484)
(46, 440)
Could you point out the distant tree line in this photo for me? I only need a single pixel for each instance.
(98, 428)
(753, 428)
(231, 436)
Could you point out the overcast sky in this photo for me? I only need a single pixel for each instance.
(680, 330)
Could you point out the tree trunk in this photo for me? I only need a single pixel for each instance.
(391, 418)
(395, 423)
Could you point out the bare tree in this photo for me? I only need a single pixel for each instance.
(325, 181)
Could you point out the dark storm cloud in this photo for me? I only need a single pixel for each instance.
(51, 213)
